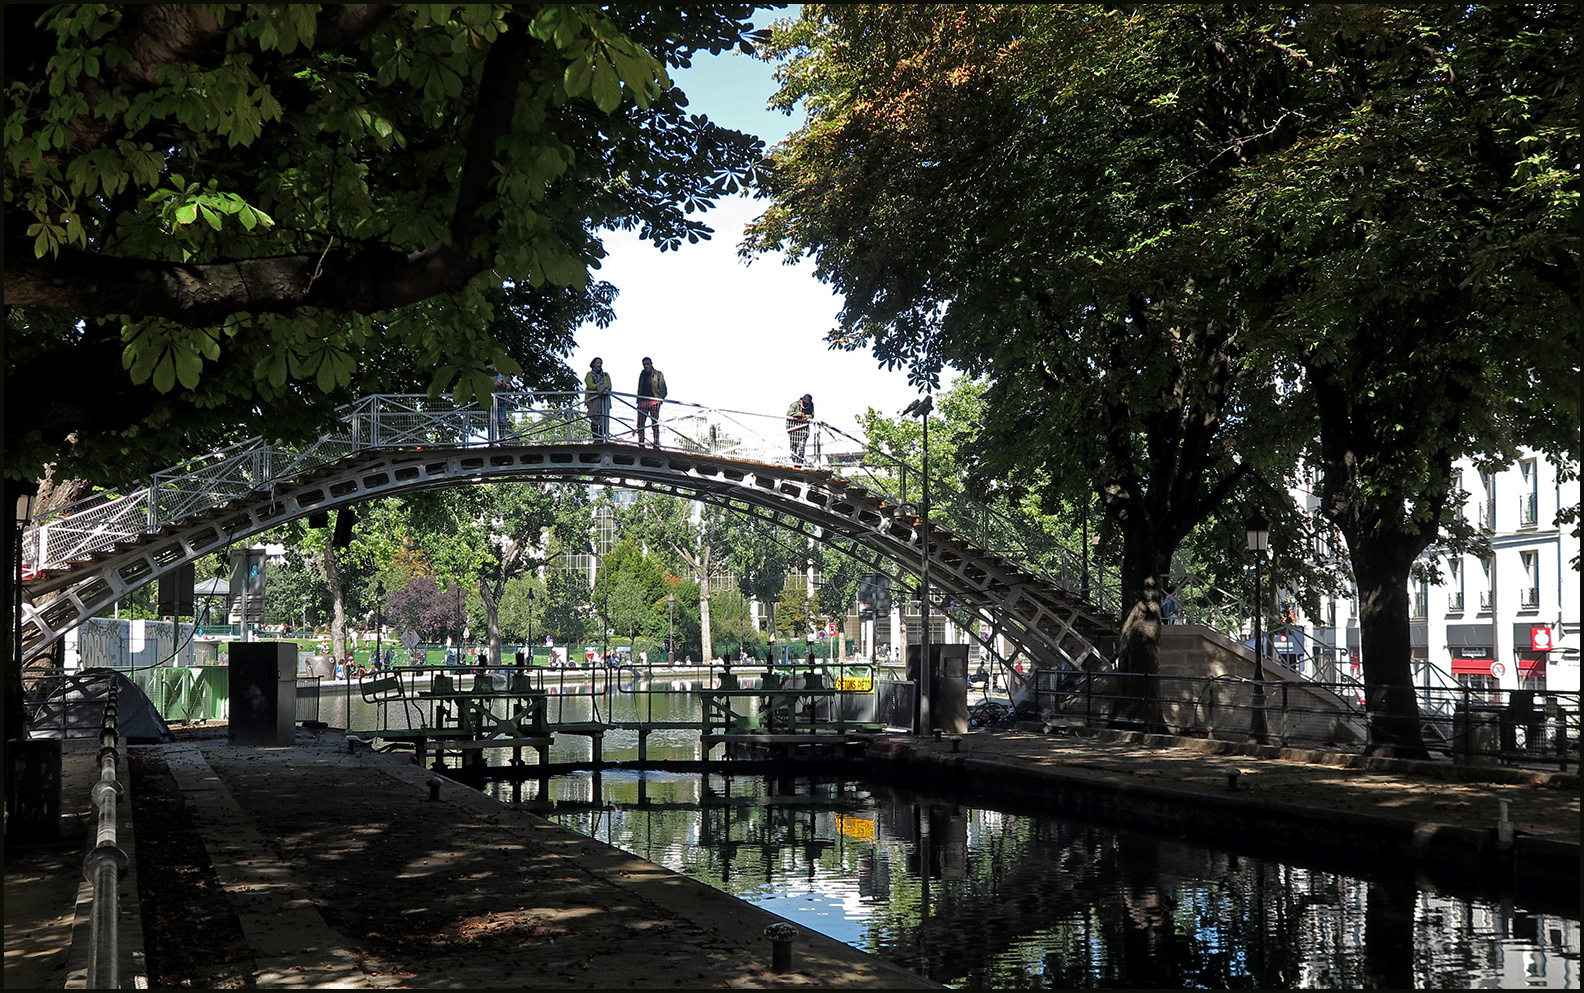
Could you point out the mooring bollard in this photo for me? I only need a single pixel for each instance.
(434, 787)
(956, 741)
(781, 934)
(1232, 780)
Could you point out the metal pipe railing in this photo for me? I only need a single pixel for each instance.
(106, 863)
(1517, 727)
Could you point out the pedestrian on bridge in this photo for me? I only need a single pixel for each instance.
(597, 398)
(798, 418)
(651, 393)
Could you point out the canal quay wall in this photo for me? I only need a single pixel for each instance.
(321, 844)
(350, 868)
(1351, 814)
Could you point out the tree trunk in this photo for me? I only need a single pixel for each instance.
(330, 569)
(1384, 648)
(491, 621)
(705, 633)
(1144, 562)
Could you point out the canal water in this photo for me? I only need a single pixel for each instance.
(976, 898)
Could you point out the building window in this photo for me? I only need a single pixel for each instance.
(1487, 686)
(1487, 507)
(1529, 499)
(1487, 597)
(1419, 603)
(1454, 586)
(1529, 596)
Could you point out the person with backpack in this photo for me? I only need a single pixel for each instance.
(798, 418)
(651, 393)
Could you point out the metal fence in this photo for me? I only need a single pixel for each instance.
(107, 862)
(1461, 724)
(100, 522)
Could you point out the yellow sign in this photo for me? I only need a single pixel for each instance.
(856, 827)
(855, 684)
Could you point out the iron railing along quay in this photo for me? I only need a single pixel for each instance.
(1461, 724)
(107, 862)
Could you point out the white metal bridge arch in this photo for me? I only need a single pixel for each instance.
(985, 571)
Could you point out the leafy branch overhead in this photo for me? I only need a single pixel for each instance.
(252, 196)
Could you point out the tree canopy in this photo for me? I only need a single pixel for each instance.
(1188, 244)
(232, 217)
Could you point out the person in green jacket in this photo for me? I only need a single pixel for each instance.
(597, 398)
(651, 392)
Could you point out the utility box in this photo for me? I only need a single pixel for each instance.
(33, 790)
(263, 693)
(948, 686)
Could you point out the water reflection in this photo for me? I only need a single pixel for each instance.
(978, 898)
(981, 899)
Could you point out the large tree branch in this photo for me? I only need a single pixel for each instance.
(163, 34)
(365, 281)
(359, 280)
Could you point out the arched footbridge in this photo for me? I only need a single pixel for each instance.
(993, 574)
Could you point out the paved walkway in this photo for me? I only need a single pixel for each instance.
(286, 826)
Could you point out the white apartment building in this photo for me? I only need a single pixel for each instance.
(1508, 621)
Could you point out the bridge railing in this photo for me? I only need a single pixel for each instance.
(389, 421)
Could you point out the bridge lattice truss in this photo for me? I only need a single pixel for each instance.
(993, 574)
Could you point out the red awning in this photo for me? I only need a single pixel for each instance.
(1481, 667)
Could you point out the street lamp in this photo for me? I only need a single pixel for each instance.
(16, 712)
(379, 620)
(530, 645)
(922, 408)
(670, 630)
(1258, 543)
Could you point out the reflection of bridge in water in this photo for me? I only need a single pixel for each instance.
(1000, 578)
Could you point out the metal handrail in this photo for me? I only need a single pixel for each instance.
(107, 862)
(100, 522)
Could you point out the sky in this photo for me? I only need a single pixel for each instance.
(747, 337)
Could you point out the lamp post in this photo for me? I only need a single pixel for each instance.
(670, 630)
(530, 645)
(16, 711)
(379, 620)
(1258, 543)
(922, 408)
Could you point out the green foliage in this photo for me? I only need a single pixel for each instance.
(1186, 243)
(301, 203)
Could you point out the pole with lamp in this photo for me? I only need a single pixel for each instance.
(670, 630)
(16, 711)
(1259, 544)
(379, 622)
(922, 408)
(530, 645)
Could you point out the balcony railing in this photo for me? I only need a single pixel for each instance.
(1487, 600)
(1529, 597)
(1528, 511)
(1454, 603)
(1416, 607)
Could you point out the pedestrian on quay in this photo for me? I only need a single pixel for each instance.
(798, 418)
(597, 398)
(651, 393)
